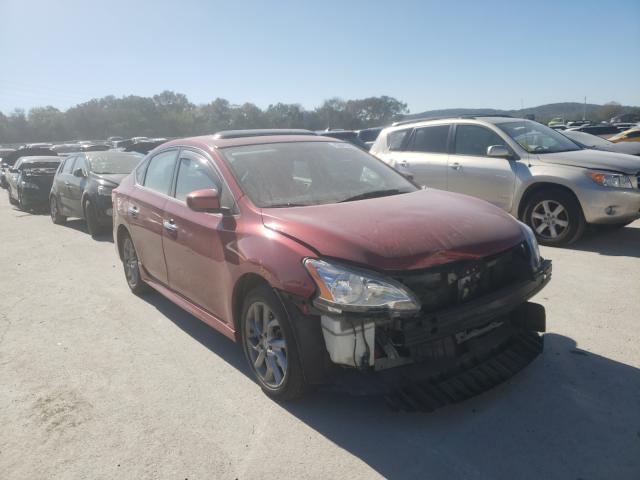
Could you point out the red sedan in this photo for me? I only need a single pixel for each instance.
(323, 261)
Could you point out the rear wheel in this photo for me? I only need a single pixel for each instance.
(269, 345)
(132, 267)
(56, 216)
(555, 217)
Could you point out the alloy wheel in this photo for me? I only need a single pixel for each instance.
(130, 260)
(550, 219)
(266, 345)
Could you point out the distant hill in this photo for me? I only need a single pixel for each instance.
(544, 113)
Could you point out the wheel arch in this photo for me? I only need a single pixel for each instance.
(541, 186)
(120, 235)
(244, 285)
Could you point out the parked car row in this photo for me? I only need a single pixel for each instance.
(322, 261)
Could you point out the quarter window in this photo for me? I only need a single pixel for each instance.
(431, 139)
(160, 172)
(396, 139)
(475, 140)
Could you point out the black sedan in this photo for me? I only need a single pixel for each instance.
(83, 184)
(29, 181)
(586, 140)
(10, 158)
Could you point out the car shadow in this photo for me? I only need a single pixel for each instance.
(621, 242)
(81, 226)
(570, 414)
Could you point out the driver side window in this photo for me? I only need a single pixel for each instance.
(195, 173)
(475, 140)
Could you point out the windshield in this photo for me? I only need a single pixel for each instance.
(586, 139)
(537, 138)
(113, 162)
(311, 173)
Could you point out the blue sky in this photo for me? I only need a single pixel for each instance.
(430, 54)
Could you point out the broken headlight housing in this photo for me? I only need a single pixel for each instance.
(348, 289)
(532, 243)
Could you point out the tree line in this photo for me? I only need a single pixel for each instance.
(171, 114)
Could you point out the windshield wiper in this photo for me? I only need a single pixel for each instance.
(373, 194)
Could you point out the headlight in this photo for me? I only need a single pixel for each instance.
(30, 185)
(106, 191)
(351, 290)
(531, 240)
(614, 180)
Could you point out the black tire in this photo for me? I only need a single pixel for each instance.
(131, 267)
(568, 225)
(11, 200)
(20, 204)
(54, 211)
(292, 384)
(91, 217)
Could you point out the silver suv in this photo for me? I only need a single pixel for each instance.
(528, 169)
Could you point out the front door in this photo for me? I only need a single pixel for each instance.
(194, 241)
(473, 173)
(75, 186)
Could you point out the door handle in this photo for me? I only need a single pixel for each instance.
(170, 226)
(133, 211)
(404, 163)
(456, 166)
(67, 183)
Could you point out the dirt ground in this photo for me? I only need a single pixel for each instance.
(97, 383)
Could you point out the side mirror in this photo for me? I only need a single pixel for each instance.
(498, 151)
(13, 170)
(206, 200)
(405, 172)
(78, 172)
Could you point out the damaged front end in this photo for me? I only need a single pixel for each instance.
(434, 336)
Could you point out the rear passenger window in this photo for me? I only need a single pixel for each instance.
(396, 139)
(431, 139)
(474, 140)
(160, 172)
(193, 175)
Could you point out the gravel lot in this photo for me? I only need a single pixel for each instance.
(98, 383)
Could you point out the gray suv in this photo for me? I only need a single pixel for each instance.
(526, 168)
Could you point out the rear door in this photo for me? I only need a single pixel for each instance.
(194, 241)
(145, 211)
(473, 173)
(426, 156)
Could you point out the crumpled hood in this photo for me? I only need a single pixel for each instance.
(111, 179)
(411, 231)
(597, 159)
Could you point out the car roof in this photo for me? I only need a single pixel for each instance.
(37, 159)
(212, 142)
(458, 119)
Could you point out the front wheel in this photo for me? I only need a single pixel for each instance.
(91, 216)
(54, 210)
(132, 267)
(555, 217)
(11, 200)
(269, 345)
